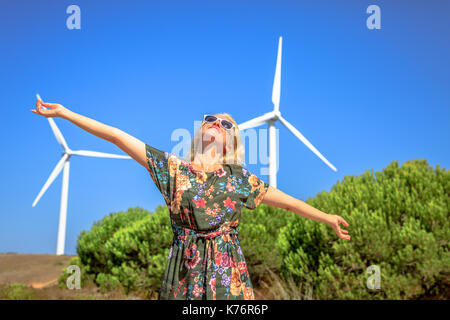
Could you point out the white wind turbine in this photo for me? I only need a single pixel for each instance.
(65, 163)
(270, 119)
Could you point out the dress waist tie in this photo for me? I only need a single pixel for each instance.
(182, 233)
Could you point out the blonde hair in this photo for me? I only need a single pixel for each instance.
(237, 148)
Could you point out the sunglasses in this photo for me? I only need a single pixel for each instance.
(228, 125)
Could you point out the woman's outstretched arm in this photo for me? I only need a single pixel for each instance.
(129, 144)
(277, 198)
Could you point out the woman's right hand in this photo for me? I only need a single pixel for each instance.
(56, 110)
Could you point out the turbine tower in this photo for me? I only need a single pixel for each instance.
(271, 117)
(64, 162)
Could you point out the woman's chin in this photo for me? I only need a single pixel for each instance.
(212, 133)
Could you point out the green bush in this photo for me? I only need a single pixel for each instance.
(398, 220)
(125, 250)
(258, 233)
(139, 251)
(91, 244)
(108, 282)
(17, 291)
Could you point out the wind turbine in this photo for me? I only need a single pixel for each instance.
(64, 162)
(270, 119)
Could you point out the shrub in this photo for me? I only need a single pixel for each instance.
(16, 291)
(398, 220)
(139, 251)
(125, 250)
(258, 233)
(91, 244)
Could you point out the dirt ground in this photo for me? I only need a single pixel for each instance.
(31, 269)
(39, 272)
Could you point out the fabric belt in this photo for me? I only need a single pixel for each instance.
(186, 235)
(182, 233)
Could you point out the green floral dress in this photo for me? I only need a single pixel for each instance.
(205, 261)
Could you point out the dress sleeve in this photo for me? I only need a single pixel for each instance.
(162, 167)
(254, 189)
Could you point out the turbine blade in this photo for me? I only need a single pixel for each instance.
(297, 133)
(98, 154)
(277, 80)
(256, 122)
(56, 132)
(59, 166)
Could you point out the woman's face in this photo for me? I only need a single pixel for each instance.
(213, 131)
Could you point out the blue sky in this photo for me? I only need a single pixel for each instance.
(363, 98)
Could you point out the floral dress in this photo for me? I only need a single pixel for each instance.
(205, 261)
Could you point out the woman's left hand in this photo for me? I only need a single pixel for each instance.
(334, 221)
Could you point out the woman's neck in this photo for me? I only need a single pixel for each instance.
(209, 160)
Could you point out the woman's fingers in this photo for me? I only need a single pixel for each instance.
(48, 104)
(38, 105)
(41, 104)
(343, 234)
(40, 109)
(52, 111)
(343, 221)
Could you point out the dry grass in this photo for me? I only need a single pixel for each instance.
(274, 287)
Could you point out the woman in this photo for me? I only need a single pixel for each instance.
(205, 194)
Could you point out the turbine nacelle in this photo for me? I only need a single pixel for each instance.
(276, 114)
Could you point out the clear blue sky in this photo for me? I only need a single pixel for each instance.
(363, 97)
